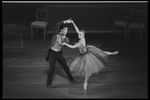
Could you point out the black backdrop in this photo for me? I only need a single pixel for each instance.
(86, 15)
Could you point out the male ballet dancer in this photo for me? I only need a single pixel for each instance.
(55, 51)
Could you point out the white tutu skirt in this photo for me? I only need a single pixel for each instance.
(93, 61)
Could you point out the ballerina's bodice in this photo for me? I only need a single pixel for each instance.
(82, 48)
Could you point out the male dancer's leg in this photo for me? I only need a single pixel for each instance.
(52, 62)
(64, 65)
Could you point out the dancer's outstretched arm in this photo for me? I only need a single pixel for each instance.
(75, 26)
(70, 46)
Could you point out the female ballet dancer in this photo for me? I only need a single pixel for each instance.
(91, 59)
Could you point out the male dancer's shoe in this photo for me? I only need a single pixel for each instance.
(49, 86)
(73, 82)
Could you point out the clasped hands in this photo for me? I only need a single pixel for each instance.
(68, 21)
(64, 43)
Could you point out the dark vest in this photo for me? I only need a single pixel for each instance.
(55, 43)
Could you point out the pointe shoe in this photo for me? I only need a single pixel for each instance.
(116, 52)
(85, 85)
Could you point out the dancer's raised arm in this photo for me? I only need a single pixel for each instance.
(75, 26)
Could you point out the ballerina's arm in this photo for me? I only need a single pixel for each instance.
(70, 46)
(75, 26)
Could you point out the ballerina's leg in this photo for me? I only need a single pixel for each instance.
(86, 82)
(111, 53)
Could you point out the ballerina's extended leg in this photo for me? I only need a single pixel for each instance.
(111, 53)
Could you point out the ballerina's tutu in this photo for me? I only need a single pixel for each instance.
(88, 63)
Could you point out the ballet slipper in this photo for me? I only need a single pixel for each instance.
(85, 85)
(116, 52)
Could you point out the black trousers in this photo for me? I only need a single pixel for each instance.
(53, 57)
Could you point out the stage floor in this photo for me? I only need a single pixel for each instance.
(126, 75)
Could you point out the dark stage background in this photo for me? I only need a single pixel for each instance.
(92, 16)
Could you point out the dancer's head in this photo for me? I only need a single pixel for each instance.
(63, 29)
(81, 34)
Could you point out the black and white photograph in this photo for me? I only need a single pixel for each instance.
(75, 49)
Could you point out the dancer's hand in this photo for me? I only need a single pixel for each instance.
(71, 21)
(63, 43)
(75, 43)
(67, 21)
